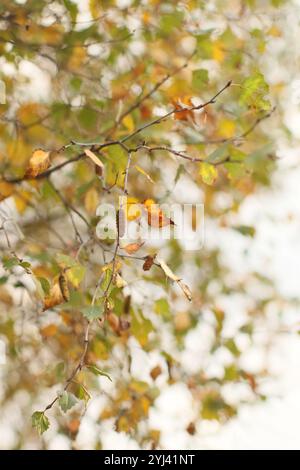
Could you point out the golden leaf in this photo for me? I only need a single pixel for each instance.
(6, 190)
(91, 201)
(59, 293)
(49, 330)
(38, 163)
(208, 173)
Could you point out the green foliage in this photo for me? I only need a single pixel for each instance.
(254, 91)
(67, 401)
(40, 421)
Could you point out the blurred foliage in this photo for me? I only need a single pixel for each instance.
(108, 76)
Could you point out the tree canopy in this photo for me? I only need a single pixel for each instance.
(132, 104)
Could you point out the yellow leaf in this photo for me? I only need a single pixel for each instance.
(133, 209)
(21, 200)
(75, 274)
(227, 128)
(128, 123)
(59, 293)
(208, 173)
(218, 51)
(6, 190)
(143, 172)
(38, 163)
(91, 201)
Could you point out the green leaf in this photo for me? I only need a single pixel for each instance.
(67, 401)
(171, 21)
(254, 90)
(208, 173)
(45, 285)
(3, 280)
(93, 312)
(246, 230)
(72, 9)
(200, 78)
(140, 326)
(40, 421)
(25, 264)
(65, 260)
(161, 307)
(9, 263)
(218, 155)
(96, 371)
(82, 393)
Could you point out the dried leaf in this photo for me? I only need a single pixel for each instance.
(149, 260)
(94, 158)
(38, 163)
(119, 281)
(144, 173)
(133, 247)
(169, 273)
(59, 293)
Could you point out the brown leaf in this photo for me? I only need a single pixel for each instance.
(149, 260)
(155, 372)
(38, 163)
(114, 322)
(133, 247)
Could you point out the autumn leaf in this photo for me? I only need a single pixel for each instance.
(208, 173)
(6, 190)
(91, 201)
(149, 260)
(59, 293)
(132, 247)
(169, 273)
(144, 173)
(38, 163)
(156, 217)
(94, 159)
(183, 113)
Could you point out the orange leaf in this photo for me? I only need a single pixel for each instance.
(49, 330)
(6, 190)
(132, 247)
(156, 217)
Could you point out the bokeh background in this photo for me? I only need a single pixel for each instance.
(272, 351)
